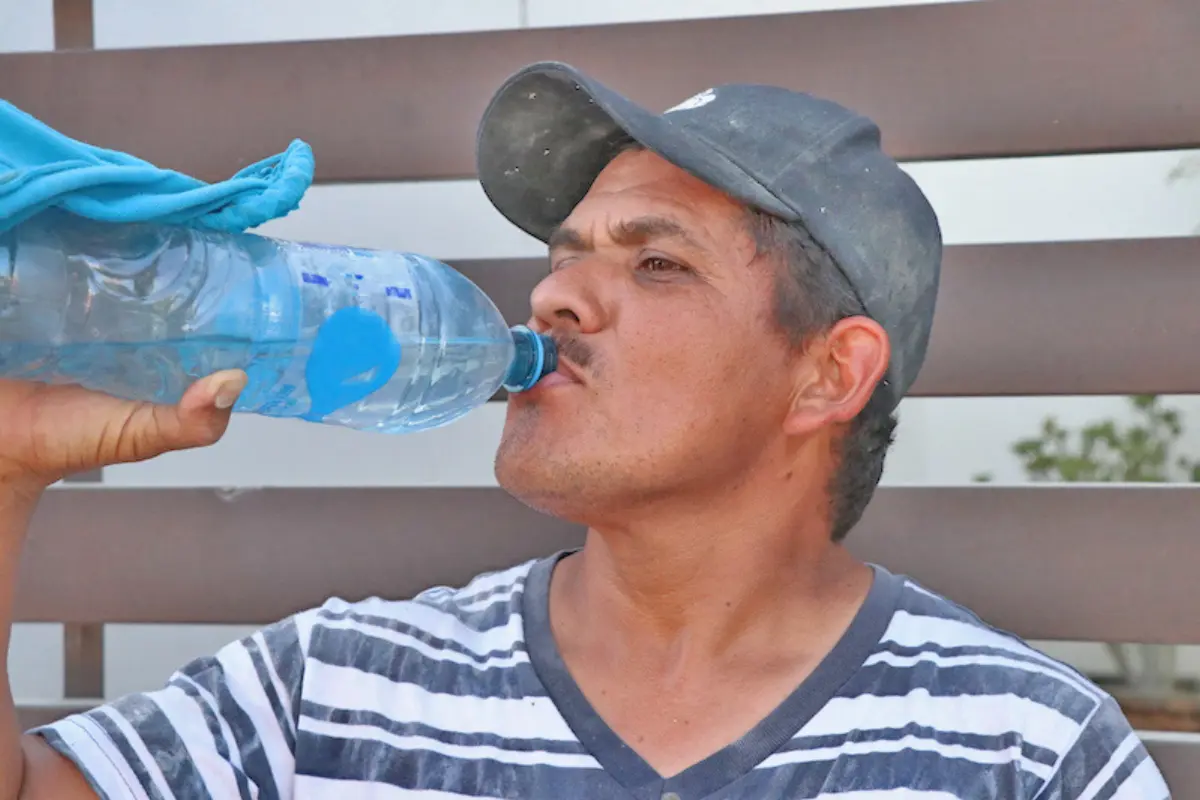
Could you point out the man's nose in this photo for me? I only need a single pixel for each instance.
(568, 298)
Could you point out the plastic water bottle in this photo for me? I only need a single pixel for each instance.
(366, 339)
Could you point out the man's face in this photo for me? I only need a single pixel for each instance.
(664, 317)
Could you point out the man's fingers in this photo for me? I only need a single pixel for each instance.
(205, 408)
(218, 391)
(200, 419)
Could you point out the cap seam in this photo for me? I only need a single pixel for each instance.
(798, 212)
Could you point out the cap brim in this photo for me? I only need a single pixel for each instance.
(550, 130)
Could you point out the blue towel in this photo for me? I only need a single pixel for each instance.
(40, 168)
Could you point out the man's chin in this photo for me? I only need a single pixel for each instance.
(524, 478)
(545, 500)
(540, 483)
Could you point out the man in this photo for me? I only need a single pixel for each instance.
(742, 289)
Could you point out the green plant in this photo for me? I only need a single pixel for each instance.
(1140, 451)
(1106, 451)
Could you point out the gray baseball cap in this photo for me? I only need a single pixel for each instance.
(550, 129)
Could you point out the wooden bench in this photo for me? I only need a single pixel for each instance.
(956, 81)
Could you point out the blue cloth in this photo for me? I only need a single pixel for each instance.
(41, 168)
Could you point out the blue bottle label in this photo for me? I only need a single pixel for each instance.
(355, 353)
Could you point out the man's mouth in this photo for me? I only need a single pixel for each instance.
(564, 375)
(556, 378)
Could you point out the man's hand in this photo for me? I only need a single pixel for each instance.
(49, 432)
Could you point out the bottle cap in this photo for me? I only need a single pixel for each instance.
(536, 357)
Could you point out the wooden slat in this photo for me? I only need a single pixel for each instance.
(1178, 756)
(1076, 318)
(87, 476)
(199, 558)
(74, 25)
(1067, 318)
(1105, 563)
(83, 660)
(954, 80)
(1088, 563)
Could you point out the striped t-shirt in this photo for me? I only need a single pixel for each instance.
(462, 693)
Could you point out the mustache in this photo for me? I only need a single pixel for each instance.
(574, 349)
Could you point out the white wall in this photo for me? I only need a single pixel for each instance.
(557, 13)
(941, 441)
(144, 23)
(155, 23)
(26, 25)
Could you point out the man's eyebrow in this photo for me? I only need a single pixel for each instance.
(644, 229)
(567, 239)
(626, 233)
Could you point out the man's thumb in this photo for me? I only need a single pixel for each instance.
(205, 408)
(222, 389)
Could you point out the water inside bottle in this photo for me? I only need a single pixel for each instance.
(143, 311)
(164, 369)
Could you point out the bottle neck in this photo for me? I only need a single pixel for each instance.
(534, 357)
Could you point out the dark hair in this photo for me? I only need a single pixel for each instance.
(812, 295)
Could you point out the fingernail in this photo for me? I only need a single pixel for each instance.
(228, 391)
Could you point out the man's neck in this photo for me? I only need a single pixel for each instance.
(720, 577)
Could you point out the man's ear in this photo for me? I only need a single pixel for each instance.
(837, 374)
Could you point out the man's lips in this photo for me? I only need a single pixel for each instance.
(564, 374)
(555, 379)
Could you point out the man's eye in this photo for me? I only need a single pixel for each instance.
(660, 264)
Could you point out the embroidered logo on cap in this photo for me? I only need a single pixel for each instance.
(695, 101)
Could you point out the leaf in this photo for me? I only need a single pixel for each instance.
(1102, 451)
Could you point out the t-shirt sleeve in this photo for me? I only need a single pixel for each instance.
(224, 726)
(1107, 762)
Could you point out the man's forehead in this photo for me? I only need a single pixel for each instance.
(624, 230)
(645, 170)
(641, 192)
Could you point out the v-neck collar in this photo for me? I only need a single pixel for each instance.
(727, 765)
